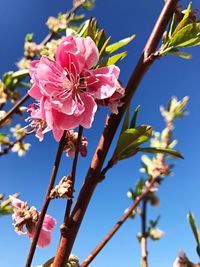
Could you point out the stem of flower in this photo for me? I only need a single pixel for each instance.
(144, 252)
(73, 174)
(116, 227)
(94, 171)
(46, 200)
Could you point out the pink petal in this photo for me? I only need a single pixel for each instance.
(33, 67)
(89, 50)
(69, 56)
(45, 233)
(15, 202)
(102, 83)
(66, 106)
(44, 238)
(49, 223)
(90, 108)
(57, 133)
(63, 121)
(35, 92)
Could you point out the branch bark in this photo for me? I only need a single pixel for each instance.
(73, 175)
(116, 227)
(144, 253)
(46, 201)
(94, 171)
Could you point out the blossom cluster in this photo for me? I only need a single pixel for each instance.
(68, 88)
(25, 216)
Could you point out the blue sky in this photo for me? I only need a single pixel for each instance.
(29, 175)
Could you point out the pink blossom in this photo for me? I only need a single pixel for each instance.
(71, 141)
(45, 233)
(37, 121)
(68, 88)
(114, 101)
(27, 217)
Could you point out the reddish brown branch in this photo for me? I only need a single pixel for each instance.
(46, 201)
(144, 253)
(73, 174)
(116, 227)
(94, 171)
(14, 109)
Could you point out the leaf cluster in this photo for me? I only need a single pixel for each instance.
(184, 32)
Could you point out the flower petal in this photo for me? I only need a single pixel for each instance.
(102, 83)
(88, 50)
(35, 92)
(90, 108)
(45, 234)
(57, 133)
(69, 57)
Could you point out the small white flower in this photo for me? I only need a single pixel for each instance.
(21, 148)
(3, 96)
(18, 132)
(156, 234)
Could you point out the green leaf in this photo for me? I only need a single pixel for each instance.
(20, 74)
(184, 20)
(100, 39)
(181, 54)
(134, 119)
(195, 230)
(103, 48)
(6, 210)
(113, 47)
(3, 135)
(92, 28)
(113, 60)
(29, 37)
(139, 187)
(7, 78)
(126, 120)
(88, 4)
(172, 25)
(130, 139)
(154, 223)
(188, 36)
(76, 18)
(172, 152)
(72, 262)
(125, 123)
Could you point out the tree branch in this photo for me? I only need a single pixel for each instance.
(46, 200)
(94, 171)
(73, 175)
(144, 252)
(14, 109)
(116, 227)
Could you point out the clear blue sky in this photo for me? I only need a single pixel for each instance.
(29, 175)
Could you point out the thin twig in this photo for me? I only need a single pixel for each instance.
(116, 227)
(73, 174)
(94, 171)
(46, 200)
(144, 252)
(10, 145)
(63, 228)
(14, 109)
(73, 10)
